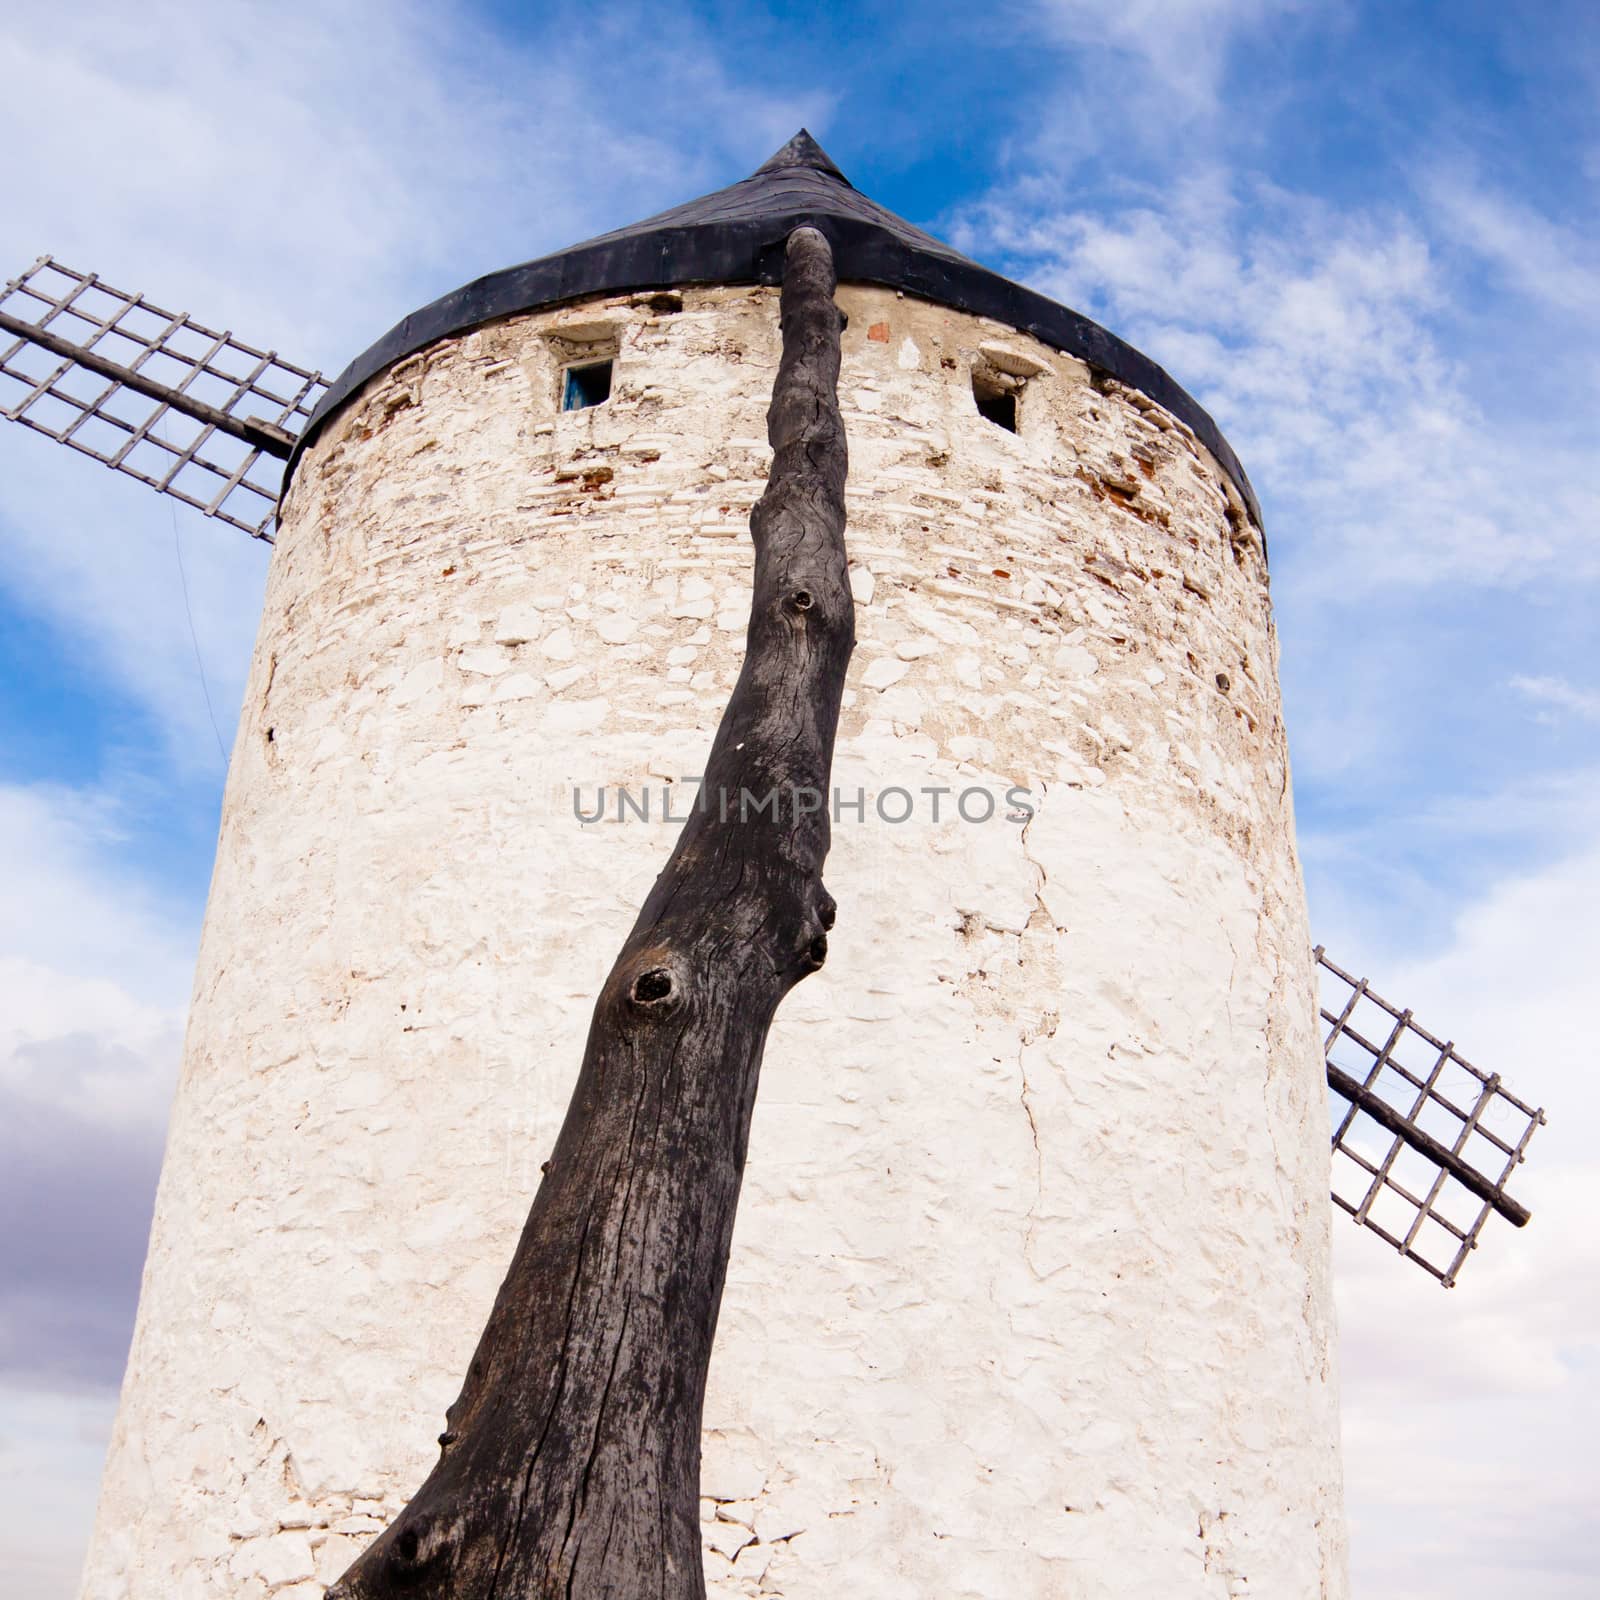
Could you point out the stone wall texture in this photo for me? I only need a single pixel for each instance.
(1029, 1293)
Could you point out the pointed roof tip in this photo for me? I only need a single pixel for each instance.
(803, 151)
(734, 237)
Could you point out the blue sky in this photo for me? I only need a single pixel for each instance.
(1363, 234)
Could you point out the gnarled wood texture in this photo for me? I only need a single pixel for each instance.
(570, 1465)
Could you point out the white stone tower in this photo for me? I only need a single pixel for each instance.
(1029, 1294)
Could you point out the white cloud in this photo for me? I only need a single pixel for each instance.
(306, 175)
(1182, 46)
(81, 944)
(1469, 1413)
(1515, 988)
(1311, 334)
(1559, 695)
(1537, 256)
(93, 552)
(94, 983)
(94, 980)
(1393, 882)
(306, 170)
(51, 1447)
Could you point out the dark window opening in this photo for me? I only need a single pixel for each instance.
(586, 386)
(995, 400)
(999, 408)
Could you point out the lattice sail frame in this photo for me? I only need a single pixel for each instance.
(191, 412)
(1419, 1133)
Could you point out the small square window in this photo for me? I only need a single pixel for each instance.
(996, 398)
(586, 386)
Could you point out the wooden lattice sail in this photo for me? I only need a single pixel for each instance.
(1424, 1142)
(189, 411)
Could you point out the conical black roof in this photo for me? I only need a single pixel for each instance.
(737, 236)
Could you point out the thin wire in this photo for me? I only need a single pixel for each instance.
(194, 638)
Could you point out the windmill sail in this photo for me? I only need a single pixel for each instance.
(1423, 1141)
(191, 412)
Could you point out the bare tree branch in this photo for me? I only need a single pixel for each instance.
(571, 1462)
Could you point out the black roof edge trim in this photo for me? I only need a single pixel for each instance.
(749, 251)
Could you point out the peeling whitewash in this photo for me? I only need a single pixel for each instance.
(1029, 1293)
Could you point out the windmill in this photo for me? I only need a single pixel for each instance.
(1424, 1143)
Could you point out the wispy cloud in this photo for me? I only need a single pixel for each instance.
(1551, 263)
(305, 170)
(1557, 695)
(1179, 47)
(1468, 1414)
(306, 175)
(1313, 335)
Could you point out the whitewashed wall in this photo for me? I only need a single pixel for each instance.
(1029, 1294)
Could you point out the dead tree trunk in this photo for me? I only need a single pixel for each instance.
(571, 1464)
